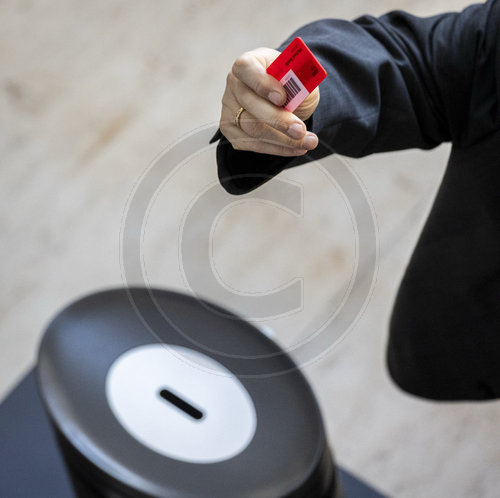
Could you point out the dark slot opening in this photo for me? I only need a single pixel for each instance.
(181, 404)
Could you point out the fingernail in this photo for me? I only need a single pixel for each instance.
(310, 141)
(275, 98)
(296, 130)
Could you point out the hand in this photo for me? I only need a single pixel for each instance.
(265, 126)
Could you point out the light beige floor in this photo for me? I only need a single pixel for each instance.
(92, 92)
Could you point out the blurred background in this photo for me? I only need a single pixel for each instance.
(91, 92)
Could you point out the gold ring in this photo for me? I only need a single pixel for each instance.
(237, 117)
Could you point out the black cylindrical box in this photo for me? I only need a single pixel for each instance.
(153, 393)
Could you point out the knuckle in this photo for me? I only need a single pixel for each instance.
(225, 126)
(241, 63)
(290, 142)
(256, 128)
(286, 151)
(261, 87)
(277, 123)
(229, 79)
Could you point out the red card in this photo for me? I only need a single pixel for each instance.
(298, 71)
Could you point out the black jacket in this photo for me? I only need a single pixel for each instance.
(399, 82)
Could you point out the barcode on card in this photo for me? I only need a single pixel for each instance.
(296, 92)
(291, 89)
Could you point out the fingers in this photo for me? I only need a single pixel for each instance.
(244, 143)
(264, 126)
(258, 136)
(260, 130)
(274, 116)
(250, 69)
(241, 141)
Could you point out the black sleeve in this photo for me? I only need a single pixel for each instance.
(394, 82)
